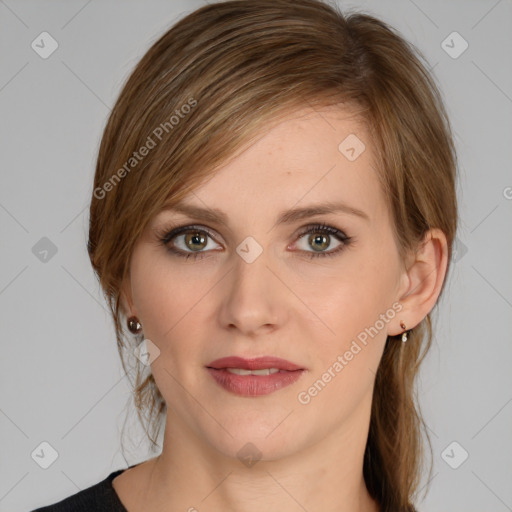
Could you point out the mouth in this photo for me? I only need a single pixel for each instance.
(255, 364)
(254, 377)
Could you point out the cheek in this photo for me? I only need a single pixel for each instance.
(169, 299)
(355, 304)
(348, 352)
(160, 292)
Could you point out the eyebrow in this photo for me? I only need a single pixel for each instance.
(284, 217)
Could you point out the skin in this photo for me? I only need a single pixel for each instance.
(306, 310)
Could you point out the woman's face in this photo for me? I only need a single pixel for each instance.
(256, 286)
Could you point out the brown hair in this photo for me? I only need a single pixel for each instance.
(204, 91)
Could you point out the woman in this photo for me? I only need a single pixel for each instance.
(272, 224)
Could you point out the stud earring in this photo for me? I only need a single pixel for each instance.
(134, 325)
(405, 333)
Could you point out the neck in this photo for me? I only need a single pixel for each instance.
(191, 475)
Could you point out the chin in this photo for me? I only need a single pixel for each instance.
(252, 443)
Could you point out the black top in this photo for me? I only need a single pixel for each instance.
(100, 497)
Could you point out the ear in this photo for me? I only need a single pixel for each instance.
(422, 281)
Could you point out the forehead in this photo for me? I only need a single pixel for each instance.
(309, 156)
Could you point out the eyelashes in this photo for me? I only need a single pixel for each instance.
(323, 235)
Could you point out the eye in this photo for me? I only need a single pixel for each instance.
(187, 241)
(193, 241)
(320, 238)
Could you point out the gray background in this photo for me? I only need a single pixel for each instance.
(60, 376)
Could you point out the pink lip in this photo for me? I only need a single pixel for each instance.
(254, 385)
(257, 363)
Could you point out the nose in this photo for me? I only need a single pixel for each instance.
(253, 299)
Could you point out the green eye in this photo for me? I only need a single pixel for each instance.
(195, 240)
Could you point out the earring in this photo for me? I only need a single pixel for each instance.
(405, 333)
(134, 325)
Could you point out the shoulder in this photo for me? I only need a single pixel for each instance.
(96, 498)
